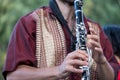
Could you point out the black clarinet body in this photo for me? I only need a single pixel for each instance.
(81, 34)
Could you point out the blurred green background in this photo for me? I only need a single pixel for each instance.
(103, 11)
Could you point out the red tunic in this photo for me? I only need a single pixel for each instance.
(21, 48)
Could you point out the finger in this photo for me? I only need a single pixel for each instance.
(99, 50)
(78, 62)
(78, 55)
(94, 31)
(92, 44)
(82, 52)
(93, 37)
(75, 70)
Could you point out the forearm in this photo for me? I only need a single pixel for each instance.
(105, 71)
(30, 73)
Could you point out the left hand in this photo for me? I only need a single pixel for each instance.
(93, 42)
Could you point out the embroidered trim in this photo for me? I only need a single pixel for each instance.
(39, 39)
(50, 40)
(93, 72)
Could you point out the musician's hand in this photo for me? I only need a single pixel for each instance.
(94, 44)
(73, 59)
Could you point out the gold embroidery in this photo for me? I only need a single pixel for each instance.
(50, 40)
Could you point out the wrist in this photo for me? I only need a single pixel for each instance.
(60, 74)
(102, 60)
(99, 58)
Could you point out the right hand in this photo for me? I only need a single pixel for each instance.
(72, 61)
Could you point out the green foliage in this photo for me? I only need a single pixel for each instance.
(102, 11)
(10, 12)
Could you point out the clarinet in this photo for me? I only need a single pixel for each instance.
(81, 34)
